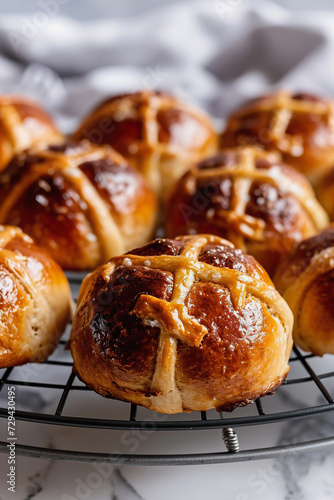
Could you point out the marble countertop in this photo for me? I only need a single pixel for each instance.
(307, 476)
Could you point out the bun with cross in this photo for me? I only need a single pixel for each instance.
(159, 134)
(299, 126)
(81, 202)
(249, 197)
(182, 324)
(23, 124)
(35, 300)
(306, 280)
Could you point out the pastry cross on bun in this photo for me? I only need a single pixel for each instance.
(81, 202)
(249, 197)
(23, 124)
(35, 300)
(181, 325)
(159, 134)
(300, 126)
(306, 280)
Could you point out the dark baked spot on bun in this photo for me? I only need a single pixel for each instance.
(302, 255)
(220, 256)
(118, 184)
(232, 258)
(230, 158)
(278, 210)
(160, 246)
(170, 120)
(119, 134)
(317, 243)
(53, 212)
(214, 192)
(123, 338)
(224, 159)
(17, 167)
(68, 147)
(304, 96)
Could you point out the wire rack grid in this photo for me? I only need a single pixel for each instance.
(64, 384)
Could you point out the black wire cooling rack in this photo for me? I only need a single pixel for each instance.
(64, 384)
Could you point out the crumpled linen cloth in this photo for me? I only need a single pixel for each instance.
(216, 54)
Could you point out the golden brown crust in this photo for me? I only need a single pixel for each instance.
(306, 280)
(23, 124)
(245, 195)
(181, 325)
(159, 134)
(35, 300)
(299, 126)
(81, 202)
(324, 189)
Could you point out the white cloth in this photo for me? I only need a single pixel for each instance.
(216, 53)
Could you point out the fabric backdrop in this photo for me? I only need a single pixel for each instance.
(216, 53)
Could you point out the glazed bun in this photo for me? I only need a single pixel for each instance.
(35, 300)
(181, 325)
(159, 134)
(23, 124)
(299, 126)
(248, 197)
(81, 202)
(306, 281)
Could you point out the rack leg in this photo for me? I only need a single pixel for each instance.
(230, 439)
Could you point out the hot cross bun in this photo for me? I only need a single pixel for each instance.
(159, 134)
(81, 202)
(23, 124)
(182, 324)
(306, 280)
(249, 197)
(35, 300)
(300, 126)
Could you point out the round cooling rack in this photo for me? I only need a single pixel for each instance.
(56, 377)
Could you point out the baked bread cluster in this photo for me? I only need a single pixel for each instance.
(159, 134)
(182, 324)
(192, 320)
(251, 198)
(80, 202)
(35, 300)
